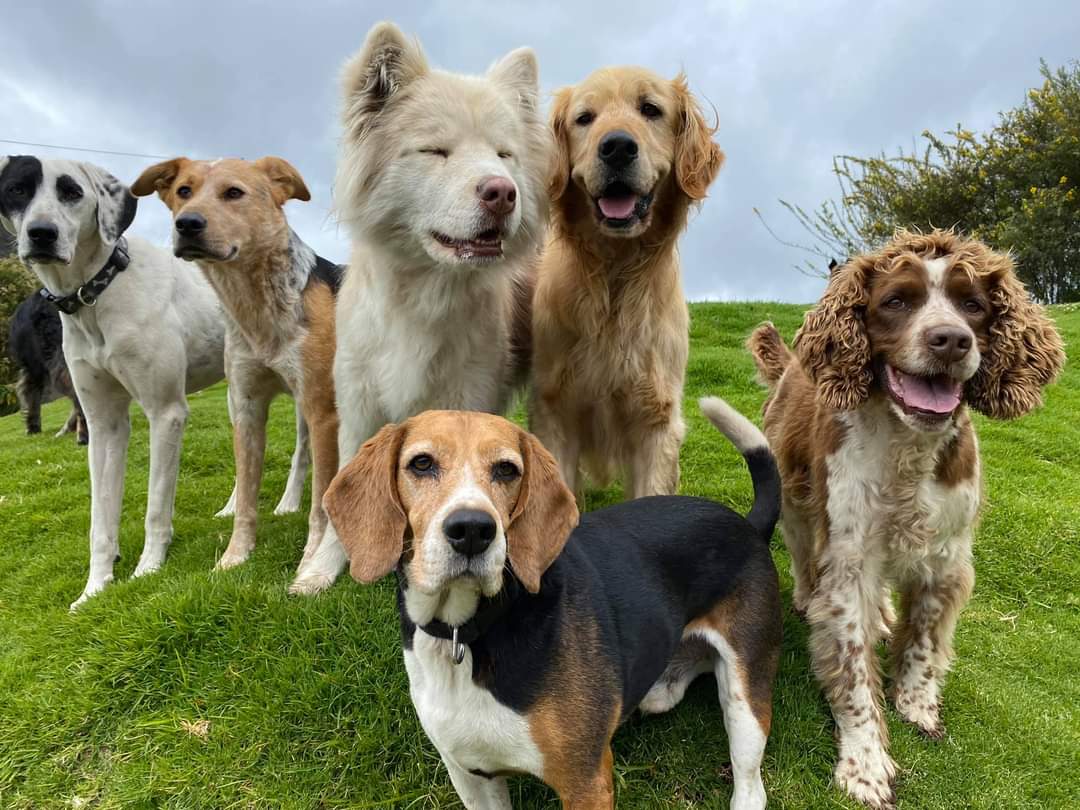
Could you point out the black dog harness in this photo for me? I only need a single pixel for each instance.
(88, 294)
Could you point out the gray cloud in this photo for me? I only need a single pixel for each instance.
(793, 84)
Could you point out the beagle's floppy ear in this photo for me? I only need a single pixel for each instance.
(387, 62)
(285, 181)
(363, 504)
(159, 178)
(561, 168)
(543, 517)
(116, 206)
(697, 158)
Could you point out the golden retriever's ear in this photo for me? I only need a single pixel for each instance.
(285, 181)
(363, 504)
(832, 344)
(159, 178)
(1024, 353)
(387, 62)
(543, 517)
(697, 157)
(560, 170)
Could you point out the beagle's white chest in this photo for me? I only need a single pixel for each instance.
(471, 729)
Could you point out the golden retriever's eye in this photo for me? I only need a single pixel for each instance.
(435, 150)
(422, 464)
(894, 302)
(233, 193)
(505, 471)
(973, 306)
(650, 110)
(183, 192)
(584, 119)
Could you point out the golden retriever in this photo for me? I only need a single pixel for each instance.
(610, 324)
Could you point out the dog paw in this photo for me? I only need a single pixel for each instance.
(919, 709)
(231, 559)
(868, 777)
(287, 506)
(91, 589)
(148, 564)
(310, 584)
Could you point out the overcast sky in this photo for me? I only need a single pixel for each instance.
(794, 83)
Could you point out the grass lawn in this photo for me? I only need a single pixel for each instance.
(190, 689)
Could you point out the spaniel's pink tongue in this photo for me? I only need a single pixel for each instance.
(618, 207)
(940, 394)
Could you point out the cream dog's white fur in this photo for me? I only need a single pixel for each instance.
(425, 315)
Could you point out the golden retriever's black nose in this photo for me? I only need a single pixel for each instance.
(618, 149)
(190, 224)
(497, 194)
(949, 343)
(469, 531)
(42, 233)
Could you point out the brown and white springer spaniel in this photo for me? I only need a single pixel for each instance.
(869, 422)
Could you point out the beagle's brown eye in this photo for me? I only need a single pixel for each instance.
(650, 110)
(974, 306)
(422, 464)
(584, 119)
(183, 192)
(233, 193)
(505, 471)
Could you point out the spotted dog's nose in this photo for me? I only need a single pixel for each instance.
(497, 194)
(190, 224)
(618, 149)
(469, 531)
(948, 343)
(43, 234)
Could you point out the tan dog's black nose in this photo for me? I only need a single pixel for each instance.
(497, 194)
(618, 149)
(469, 531)
(190, 224)
(949, 343)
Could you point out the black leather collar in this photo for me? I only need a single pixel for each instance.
(88, 294)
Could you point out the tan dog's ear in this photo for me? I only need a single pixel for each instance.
(561, 168)
(697, 157)
(387, 62)
(543, 517)
(1024, 353)
(159, 178)
(363, 504)
(285, 181)
(832, 344)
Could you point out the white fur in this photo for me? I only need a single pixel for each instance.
(156, 334)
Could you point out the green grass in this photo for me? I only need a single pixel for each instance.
(307, 699)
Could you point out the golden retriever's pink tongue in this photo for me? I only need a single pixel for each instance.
(939, 394)
(618, 207)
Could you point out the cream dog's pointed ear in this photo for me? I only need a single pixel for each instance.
(519, 72)
(387, 62)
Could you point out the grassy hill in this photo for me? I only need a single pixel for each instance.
(193, 689)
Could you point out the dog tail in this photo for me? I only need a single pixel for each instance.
(771, 354)
(751, 442)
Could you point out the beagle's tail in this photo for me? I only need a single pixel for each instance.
(771, 354)
(751, 442)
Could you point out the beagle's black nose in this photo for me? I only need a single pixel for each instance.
(618, 149)
(42, 233)
(469, 531)
(190, 224)
(950, 343)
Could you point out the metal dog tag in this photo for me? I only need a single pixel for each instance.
(458, 653)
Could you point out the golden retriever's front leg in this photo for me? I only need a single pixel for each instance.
(654, 459)
(558, 433)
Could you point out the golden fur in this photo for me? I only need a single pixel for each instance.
(610, 321)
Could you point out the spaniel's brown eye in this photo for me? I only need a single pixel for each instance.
(183, 192)
(233, 193)
(894, 303)
(505, 471)
(422, 464)
(584, 119)
(650, 110)
(973, 306)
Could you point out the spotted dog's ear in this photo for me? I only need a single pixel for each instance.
(159, 178)
(387, 62)
(285, 180)
(116, 205)
(363, 504)
(543, 517)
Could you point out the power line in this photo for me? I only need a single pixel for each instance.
(84, 149)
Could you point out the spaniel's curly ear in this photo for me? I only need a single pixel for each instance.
(697, 158)
(832, 344)
(543, 517)
(1024, 353)
(561, 168)
(363, 504)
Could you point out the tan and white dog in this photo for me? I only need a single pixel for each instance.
(278, 295)
(442, 185)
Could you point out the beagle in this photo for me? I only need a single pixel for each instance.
(530, 635)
